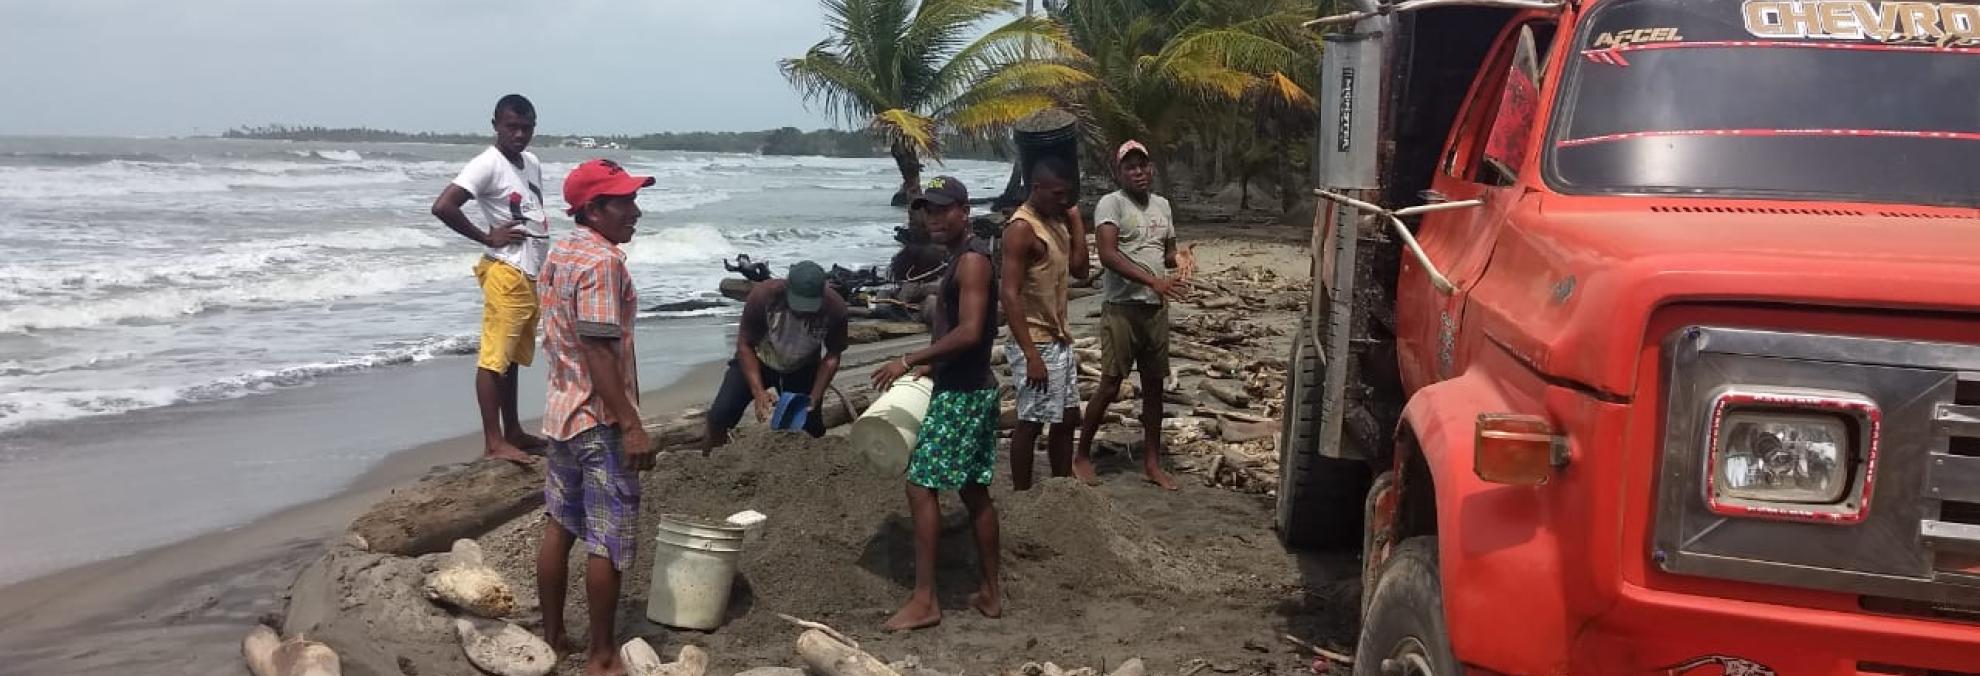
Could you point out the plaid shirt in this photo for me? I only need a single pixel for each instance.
(586, 292)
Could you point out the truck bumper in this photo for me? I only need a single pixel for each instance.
(1652, 632)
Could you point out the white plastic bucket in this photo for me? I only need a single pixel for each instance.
(694, 564)
(885, 433)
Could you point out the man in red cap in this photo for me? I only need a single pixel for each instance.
(597, 444)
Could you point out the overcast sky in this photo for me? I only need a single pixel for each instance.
(151, 67)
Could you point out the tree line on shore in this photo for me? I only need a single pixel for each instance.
(783, 141)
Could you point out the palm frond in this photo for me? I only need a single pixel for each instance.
(841, 90)
(905, 126)
(999, 112)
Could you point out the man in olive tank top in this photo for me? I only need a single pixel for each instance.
(1044, 249)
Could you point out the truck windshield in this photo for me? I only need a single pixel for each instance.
(1819, 99)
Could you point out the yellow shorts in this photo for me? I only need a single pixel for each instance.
(508, 316)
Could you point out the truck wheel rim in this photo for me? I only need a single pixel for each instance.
(1409, 658)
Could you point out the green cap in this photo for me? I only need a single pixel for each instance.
(804, 290)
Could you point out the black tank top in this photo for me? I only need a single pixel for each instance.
(969, 370)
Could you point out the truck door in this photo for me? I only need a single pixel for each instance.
(1482, 160)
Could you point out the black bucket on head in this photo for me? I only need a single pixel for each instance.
(1047, 133)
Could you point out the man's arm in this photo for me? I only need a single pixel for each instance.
(973, 286)
(595, 309)
(1019, 242)
(1077, 262)
(755, 321)
(973, 278)
(447, 208)
(601, 361)
(835, 345)
(1111, 256)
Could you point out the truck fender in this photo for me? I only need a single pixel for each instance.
(1501, 565)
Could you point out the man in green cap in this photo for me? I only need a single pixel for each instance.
(793, 331)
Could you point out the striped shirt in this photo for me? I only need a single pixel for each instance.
(586, 292)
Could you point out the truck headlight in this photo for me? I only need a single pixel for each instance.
(1791, 454)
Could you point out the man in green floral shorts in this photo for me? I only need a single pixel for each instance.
(957, 447)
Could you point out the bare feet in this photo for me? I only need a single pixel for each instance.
(610, 666)
(1155, 475)
(1082, 467)
(503, 450)
(989, 602)
(917, 614)
(527, 442)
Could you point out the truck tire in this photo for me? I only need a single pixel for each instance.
(1403, 630)
(1320, 498)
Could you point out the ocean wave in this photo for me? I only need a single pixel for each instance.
(165, 304)
(679, 244)
(58, 159)
(116, 178)
(228, 261)
(26, 406)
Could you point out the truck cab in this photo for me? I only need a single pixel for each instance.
(1646, 337)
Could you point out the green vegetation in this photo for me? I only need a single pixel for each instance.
(908, 72)
(1223, 89)
(785, 141)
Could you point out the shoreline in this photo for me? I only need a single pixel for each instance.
(207, 590)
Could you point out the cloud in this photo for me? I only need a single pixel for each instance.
(591, 66)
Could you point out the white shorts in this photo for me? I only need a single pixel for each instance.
(1062, 389)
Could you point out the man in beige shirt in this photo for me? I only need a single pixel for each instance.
(1044, 246)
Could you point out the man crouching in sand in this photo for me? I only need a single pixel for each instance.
(957, 449)
(597, 445)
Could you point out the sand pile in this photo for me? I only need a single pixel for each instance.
(838, 542)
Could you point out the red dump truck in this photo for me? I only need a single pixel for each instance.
(1645, 336)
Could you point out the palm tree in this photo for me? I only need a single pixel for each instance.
(908, 72)
(1171, 70)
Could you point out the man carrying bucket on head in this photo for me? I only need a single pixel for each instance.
(956, 448)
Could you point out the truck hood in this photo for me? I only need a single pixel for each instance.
(1573, 281)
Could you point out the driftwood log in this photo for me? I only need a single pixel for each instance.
(827, 656)
(432, 514)
(736, 288)
(1231, 395)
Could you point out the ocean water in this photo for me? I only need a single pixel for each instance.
(195, 333)
(145, 273)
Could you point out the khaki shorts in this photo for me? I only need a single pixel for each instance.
(508, 316)
(1134, 335)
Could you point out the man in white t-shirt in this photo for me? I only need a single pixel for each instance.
(507, 182)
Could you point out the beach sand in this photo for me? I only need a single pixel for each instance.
(182, 608)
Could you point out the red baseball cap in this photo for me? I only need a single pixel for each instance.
(1132, 146)
(599, 178)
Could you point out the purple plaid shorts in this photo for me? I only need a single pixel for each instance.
(592, 495)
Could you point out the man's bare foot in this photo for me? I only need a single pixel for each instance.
(988, 602)
(1082, 467)
(563, 646)
(914, 615)
(1154, 475)
(527, 442)
(610, 666)
(502, 450)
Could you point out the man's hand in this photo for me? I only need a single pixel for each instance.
(1034, 374)
(636, 447)
(884, 377)
(1186, 262)
(506, 234)
(764, 405)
